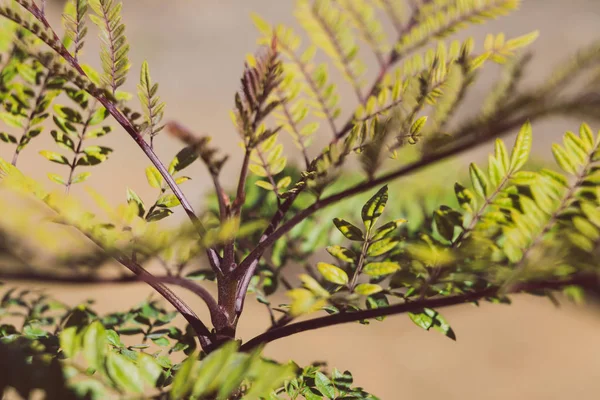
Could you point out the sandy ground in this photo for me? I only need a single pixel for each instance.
(530, 350)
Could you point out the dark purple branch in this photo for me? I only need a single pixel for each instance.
(95, 279)
(204, 335)
(587, 281)
(502, 128)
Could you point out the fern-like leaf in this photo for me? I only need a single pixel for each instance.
(262, 75)
(115, 49)
(329, 28)
(153, 108)
(74, 23)
(364, 18)
(450, 19)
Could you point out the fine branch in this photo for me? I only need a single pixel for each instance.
(589, 281)
(203, 333)
(427, 161)
(95, 279)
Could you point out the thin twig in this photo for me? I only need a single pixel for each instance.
(78, 148)
(39, 97)
(204, 335)
(60, 49)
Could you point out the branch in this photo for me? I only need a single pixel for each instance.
(90, 279)
(501, 129)
(200, 145)
(56, 44)
(204, 335)
(240, 197)
(586, 280)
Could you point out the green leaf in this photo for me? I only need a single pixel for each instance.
(521, 41)
(342, 253)
(501, 155)
(563, 160)
(98, 116)
(429, 318)
(182, 179)
(11, 120)
(7, 138)
(70, 341)
(184, 379)
(161, 341)
(381, 268)
(377, 300)
(479, 181)
(55, 157)
(418, 126)
(446, 219)
(381, 247)
(94, 345)
(265, 185)
(332, 273)
(158, 214)
(324, 385)
(154, 177)
(367, 289)
(348, 230)
(124, 373)
(97, 132)
(68, 114)
(82, 177)
(466, 199)
(586, 134)
(56, 178)
(63, 140)
(206, 380)
(133, 197)
(373, 208)
(522, 147)
(149, 369)
(183, 159)
(168, 200)
(386, 229)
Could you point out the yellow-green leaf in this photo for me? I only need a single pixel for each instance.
(479, 180)
(264, 184)
(367, 289)
(168, 200)
(563, 160)
(332, 273)
(521, 41)
(381, 268)
(154, 177)
(386, 229)
(94, 345)
(56, 178)
(124, 372)
(54, 157)
(381, 247)
(82, 177)
(342, 253)
(304, 301)
(373, 208)
(348, 230)
(522, 147)
(418, 126)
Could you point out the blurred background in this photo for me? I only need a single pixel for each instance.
(196, 49)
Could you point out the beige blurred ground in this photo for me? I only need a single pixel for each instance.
(530, 350)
